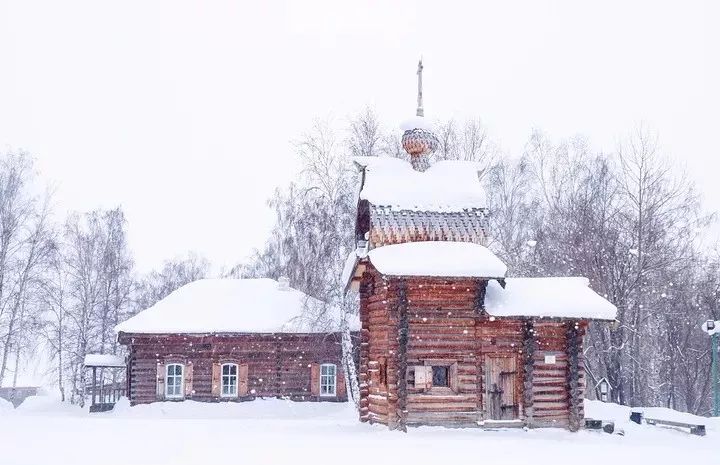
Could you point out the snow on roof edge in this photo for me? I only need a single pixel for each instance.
(548, 297)
(438, 259)
(104, 360)
(447, 185)
(237, 306)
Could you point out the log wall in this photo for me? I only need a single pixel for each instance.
(499, 365)
(442, 329)
(278, 364)
(550, 384)
(378, 369)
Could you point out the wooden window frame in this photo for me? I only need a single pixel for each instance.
(333, 378)
(453, 386)
(182, 381)
(382, 366)
(223, 376)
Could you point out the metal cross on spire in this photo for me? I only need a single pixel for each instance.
(420, 111)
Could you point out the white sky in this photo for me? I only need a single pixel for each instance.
(184, 112)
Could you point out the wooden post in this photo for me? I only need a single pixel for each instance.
(480, 292)
(529, 348)
(403, 329)
(94, 389)
(365, 293)
(573, 348)
(128, 372)
(278, 367)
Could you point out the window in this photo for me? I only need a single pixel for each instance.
(440, 376)
(174, 381)
(383, 371)
(435, 375)
(229, 380)
(327, 379)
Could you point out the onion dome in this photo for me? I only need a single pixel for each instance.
(418, 140)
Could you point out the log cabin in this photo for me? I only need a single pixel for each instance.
(446, 337)
(229, 340)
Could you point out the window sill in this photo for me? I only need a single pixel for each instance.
(441, 390)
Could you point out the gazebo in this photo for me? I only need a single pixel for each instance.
(104, 395)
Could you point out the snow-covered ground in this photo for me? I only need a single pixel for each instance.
(41, 431)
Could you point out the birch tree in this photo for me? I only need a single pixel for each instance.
(25, 239)
(98, 273)
(173, 274)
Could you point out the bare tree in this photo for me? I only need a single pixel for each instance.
(53, 330)
(467, 142)
(98, 282)
(174, 274)
(514, 214)
(365, 135)
(314, 224)
(25, 239)
(627, 220)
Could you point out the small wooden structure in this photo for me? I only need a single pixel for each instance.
(104, 395)
(603, 390)
(233, 340)
(446, 338)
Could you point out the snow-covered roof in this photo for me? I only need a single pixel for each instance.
(236, 306)
(547, 297)
(715, 330)
(448, 185)
(349, 268)
(416, 122)
(437, 258)
(104, 360)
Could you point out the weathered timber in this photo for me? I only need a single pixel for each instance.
(403, 331)
(269, 365)
(443, 333)
(529, 348)
(574, 347)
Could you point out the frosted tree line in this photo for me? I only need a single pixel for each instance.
(628, 219)
(64, 285)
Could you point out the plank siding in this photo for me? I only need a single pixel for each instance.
(277, 364)
(447, 327)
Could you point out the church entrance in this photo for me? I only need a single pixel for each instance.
(501, 389)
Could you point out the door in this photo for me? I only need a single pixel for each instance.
(501, 397)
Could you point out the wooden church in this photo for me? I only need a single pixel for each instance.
(446, 337)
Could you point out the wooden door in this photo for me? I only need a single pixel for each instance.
(501, 396)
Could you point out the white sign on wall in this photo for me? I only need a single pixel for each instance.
(550, 359)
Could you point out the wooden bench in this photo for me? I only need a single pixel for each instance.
(696, 429)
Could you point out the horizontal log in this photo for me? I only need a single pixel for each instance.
(443, 407)
(542, 398)
(439, 398)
